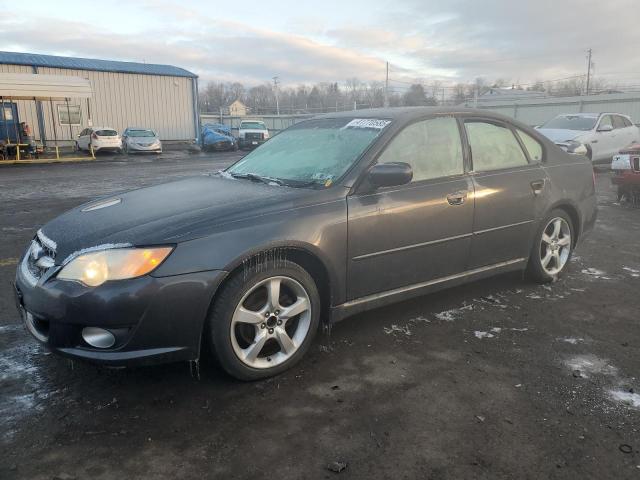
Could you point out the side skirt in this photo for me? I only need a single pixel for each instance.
(362, 304)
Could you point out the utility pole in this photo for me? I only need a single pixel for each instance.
(386, 88)
(588, 69)
(276, 82)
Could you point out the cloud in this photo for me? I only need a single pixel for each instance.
(456, 40)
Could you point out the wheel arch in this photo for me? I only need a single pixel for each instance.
(574, 214)
(304, 255)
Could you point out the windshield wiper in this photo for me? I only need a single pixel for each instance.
(257, 178)
(303, 184)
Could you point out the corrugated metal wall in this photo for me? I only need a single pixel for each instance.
(120, 100)
(538, 111)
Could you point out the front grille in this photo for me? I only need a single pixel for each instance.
(635, 161)
(39, 258)
(253, 136)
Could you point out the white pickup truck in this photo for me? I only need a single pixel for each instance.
(252, 133)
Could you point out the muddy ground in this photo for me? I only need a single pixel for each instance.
(498, 379)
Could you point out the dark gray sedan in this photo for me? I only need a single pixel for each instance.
(335, 215)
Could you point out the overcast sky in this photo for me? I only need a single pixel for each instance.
(307, 42)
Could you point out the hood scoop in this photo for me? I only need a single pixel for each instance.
(110, 202)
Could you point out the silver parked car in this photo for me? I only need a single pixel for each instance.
(135, 140)
(604, 134)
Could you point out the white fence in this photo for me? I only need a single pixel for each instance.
(538, 110)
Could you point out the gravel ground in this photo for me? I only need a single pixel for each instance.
(497, 379)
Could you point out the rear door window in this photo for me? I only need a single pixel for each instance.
(533, 147)
(618, 122)
(493, 147)
(432, 147)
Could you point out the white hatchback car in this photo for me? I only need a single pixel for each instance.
(100, 138)
(604, 134)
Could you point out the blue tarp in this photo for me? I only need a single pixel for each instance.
(216, 132)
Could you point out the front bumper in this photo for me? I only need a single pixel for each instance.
(250, 143)
(219, 146)
(154, 320)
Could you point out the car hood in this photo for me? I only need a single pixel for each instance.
(558, 135)
(167, 213)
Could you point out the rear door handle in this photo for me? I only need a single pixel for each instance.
(457, 198)
(537, 186)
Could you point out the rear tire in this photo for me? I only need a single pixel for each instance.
(552, 247)
(263, 317)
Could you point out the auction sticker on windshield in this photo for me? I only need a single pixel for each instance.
(376, 123)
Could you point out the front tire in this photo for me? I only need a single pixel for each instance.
(552, 247)
(263, 321)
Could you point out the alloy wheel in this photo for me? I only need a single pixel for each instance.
(270, 322)
(555, 246)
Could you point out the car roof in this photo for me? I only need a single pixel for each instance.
(102, 128)
(410, 113)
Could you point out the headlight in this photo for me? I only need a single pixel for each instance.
(95, 268)
(577, 148)
(266, 135)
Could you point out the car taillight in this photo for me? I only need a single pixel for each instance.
(94, 136)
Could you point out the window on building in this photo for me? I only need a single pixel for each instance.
(493, 147)
(8, 114)
(69, 114)
(431, 147)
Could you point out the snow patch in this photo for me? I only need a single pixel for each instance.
(97, 248)
(590, 364)
(480, 334)
(224, 174)
(453, 314)
(632, 271)
(571, 340)
(595, 273)
(628, 398)
(46, 241)
(394, 329)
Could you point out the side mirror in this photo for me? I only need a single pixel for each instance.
(390, 174)
(605, 128)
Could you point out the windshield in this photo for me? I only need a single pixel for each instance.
(141, 133)
(319, 151)
(572, 122)
(254, 125)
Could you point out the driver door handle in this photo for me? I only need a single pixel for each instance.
(457, 198)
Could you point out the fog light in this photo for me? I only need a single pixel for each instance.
(98, 337)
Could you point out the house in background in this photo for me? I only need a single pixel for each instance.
(237, 109)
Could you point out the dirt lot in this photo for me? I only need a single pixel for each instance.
(497, 379)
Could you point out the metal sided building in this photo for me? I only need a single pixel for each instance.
(124, 94)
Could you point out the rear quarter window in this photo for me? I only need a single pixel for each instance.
(533, 147)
